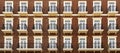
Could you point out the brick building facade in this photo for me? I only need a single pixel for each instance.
(59, 26)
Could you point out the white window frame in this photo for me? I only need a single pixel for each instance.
(20, 19)
(82, 2)
(25, 40)
(38, 2)
(55, 37)
(79, 37)
(35, 40)
(115, 19)
(53, 2)
(109, 4)
(94, 40)
(85, 19)
(64, 19)
(5, 37)
(8, 2)
(23, 2)
(64, 37)
(99, 22)
(5, 20)
(114, 40)
(70, 5)
(98, 2)
(41, 19)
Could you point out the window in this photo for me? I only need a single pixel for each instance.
(67, 42)
(112, 23)
(8, 42)
(67, 6)
(23, 24)
(112, 42)
(112, 5)
(8, 23)
(52, 24)
(96, 42)
(23, 42)
(23, 6)
(8, 6)
(67, 24)
(82, 6)
(52, 6)
(82, 23)
(97, 24)
(97, 6)
(38, 24)
(52, 42)
(37, 42)
(38, 6)
(82, 42)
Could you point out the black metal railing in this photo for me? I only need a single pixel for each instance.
(112, 26)
(112, 45)
(67, 45)
(52, 45)
(82, 26)
(7, 26)
(97, 26)
(37, 26)
(23, 8)
(67, 8)
(112, 8)
(52, 26)
(37, 45)
(97, 8)
(33, 45)
(22, 26)
(52, 9)
(8, 8)
(5, 45)
(97, 45)
(68, 26)
(82, 8)
(82, 45)
(37, 8)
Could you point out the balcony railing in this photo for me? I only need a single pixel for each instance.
(82, 45)
(82, 26)
(22, 45)
(8, 9)
(38, 9)
(52, 26)
(67, 45)
(52, 45)
(7, 26)
(82, 8)
(22, 26)
(67, 8)
(97, 26)
(97, 8)
(6, 45)
(97, 45)
(112, 8)
(112, 45)
(23, 9)
(52, 9)
(112, 26)
(67, 26)
(37, 26)
(37, 45)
